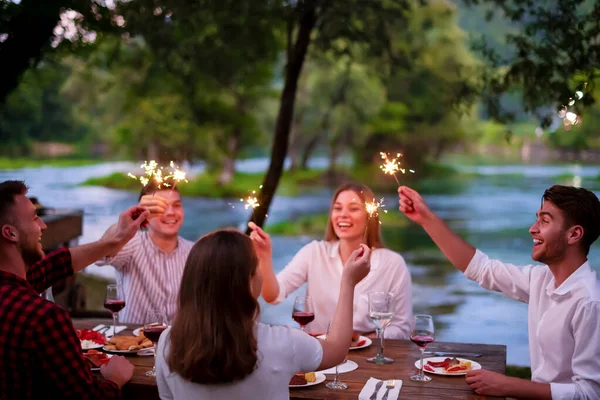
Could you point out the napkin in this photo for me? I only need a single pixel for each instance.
(109, 332)
(367, 390)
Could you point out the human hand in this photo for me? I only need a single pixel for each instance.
(119, 370)
(261, 241)
(413, 205)
(358, 265)
(488, 383)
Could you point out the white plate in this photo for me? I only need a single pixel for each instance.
(90, 347)
(123, 351)
(440, 370)
(367, 343)
(98, 368)
(348, 366)
(136, 331)
(320, 378)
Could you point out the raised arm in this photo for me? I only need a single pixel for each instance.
(112, 241)
(458, 251)
(338, 341)
(277, 287)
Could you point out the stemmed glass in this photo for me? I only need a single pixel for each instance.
(381, 311)
(154, 325)
(114, 301)
(336, 383)
(421, 335)
(303, 312)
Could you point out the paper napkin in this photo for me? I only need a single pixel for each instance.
(367, 390)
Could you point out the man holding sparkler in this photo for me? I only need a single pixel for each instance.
(563, 298)
(150, 266)
(40, 351)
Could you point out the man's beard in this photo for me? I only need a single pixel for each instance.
(31, 256)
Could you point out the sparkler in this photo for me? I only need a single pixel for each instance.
(392, 166)
(156, 173)
(372, 209)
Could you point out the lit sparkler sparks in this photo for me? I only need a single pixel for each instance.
(390, 167)
(373, 208)
(156, 173)
(251, 201)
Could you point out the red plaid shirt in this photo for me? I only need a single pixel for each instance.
(40, 354)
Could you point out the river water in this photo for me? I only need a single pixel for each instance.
(493, 210)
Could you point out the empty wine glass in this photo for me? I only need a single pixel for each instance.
(381, 311)
(422, 334)
(336, 384)
(114, 301)
(154, 325)
(303, 312)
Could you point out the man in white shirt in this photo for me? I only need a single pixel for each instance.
(563, 298)
(150, 266)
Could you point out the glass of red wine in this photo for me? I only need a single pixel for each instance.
(303, 312)
(114, 301)
(154, 325)
(421, 335)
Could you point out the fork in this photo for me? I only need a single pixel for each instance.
(388, 385)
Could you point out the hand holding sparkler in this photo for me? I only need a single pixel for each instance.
(413, 206)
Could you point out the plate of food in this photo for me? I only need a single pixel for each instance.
(126, 344)
(90, 339)
(447, 366)
(304, 379)
(140, 331)
(96, 359)
(358, 341)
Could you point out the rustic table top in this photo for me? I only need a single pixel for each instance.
(404, 352)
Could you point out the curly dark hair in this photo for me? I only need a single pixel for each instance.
(580, 207)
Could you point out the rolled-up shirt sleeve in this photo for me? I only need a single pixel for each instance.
(495, 275)
(295, 274)
(586, 361)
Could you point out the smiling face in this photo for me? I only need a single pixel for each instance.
(170, 222)
(348, 216)
(27, 230)
(550, 234)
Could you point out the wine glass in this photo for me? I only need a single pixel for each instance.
(421, 335)
(114, 301)
(336, 383)
(154, 325)
(381, 311)
(303, 312)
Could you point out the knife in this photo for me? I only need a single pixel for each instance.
(451, 353)
(377, 387)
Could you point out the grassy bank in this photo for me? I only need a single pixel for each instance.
(17, 163)
(206, 185)
(432, 179)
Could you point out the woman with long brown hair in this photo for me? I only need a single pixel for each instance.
(217, 349)
(320, 265)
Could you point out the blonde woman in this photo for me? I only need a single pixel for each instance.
(320, 264)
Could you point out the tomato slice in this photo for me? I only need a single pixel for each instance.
(456, 368)
(428, 368)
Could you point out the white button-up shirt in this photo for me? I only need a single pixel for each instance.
(564, 322)
(150, 277)
(319, 265)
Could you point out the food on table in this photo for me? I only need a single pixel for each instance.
(130, 343)
(449, 365)
(302, 378)
(96, 358)
(356, 340)
(89, 338)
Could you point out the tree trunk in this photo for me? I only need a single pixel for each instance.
(308, 150)
(29, 32)
(295, 61)
(233, 146)
(294, 146)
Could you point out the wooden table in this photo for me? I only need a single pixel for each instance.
(404, 352)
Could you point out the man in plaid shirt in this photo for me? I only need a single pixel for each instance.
(40, 354)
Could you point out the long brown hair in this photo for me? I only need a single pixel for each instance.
(212, 339)
(373, 227)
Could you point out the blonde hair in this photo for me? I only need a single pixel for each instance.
(365, 194)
